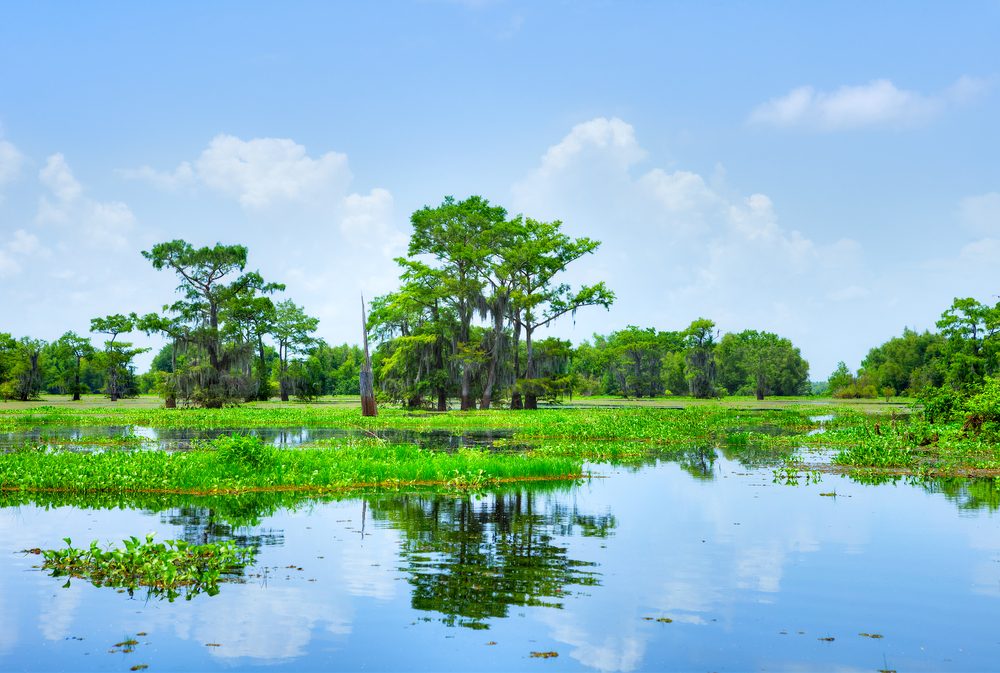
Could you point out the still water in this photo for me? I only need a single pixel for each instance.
(87, 438)
(751, 574)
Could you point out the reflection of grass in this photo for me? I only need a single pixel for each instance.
(166, 569)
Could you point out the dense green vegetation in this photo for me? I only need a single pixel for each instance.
(235, 464)
(477, 289)
(959, 357)
(167, 570)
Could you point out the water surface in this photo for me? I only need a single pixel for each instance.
(752, 575)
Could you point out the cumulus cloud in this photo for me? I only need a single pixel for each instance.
(677, 245)
(612, 137)
(328, 241)
(878, 103)
(366, 221)
(17, 249)
(258, 173)
(103, 223)
(57, 177)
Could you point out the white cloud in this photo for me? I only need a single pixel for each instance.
(263, 170)
(24, 243)
(677, 246)
(367, 221)
(259, 173)
(612, 137)
(102, 223)
(878, 103)
(981, 214)
(10, 162)
(58, 178)
(13, 251)
(166, 180)
(109, 223)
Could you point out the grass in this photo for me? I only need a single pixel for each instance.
(889, 440)
(239, 464)
(167, 570)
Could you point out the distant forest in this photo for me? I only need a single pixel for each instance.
(476, 289)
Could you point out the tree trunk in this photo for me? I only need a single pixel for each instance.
(283, 372)
(466, 388)
(262, 379)
(76, 382)
(491, 375)
(366, 379)
(530, 397)
(170, 402)
(515, 395)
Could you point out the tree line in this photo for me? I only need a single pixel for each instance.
(228, 341)
(962, 354)
(477, 289)
(478, 285)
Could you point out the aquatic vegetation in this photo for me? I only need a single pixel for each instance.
(237, 465)
(890, 441)
(167, 569)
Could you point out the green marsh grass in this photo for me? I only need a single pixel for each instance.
(239, 464)
(891, 440)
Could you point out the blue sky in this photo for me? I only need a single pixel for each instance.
(827, 171)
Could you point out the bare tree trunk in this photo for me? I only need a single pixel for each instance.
(366, 382)
(76, 382)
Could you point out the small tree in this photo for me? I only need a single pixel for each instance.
(75, 348)
(212, 279)
(292, 330)
(117, 355)
(26, 369)
(700, 358)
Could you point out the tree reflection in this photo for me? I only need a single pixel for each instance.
(968, 494)
(203, 525)
(471, 559)
(698, 461)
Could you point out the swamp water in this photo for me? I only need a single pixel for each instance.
(85, 438)
(702, 563)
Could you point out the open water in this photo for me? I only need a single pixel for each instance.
(703, 563)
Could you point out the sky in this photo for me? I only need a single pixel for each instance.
(825, 171)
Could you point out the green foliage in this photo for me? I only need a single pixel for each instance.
(908, 363)
(244, 451)
(971, 329)
(216, 322)
(167, 570)
(760, 364)
(840, 379)
(700, 366)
